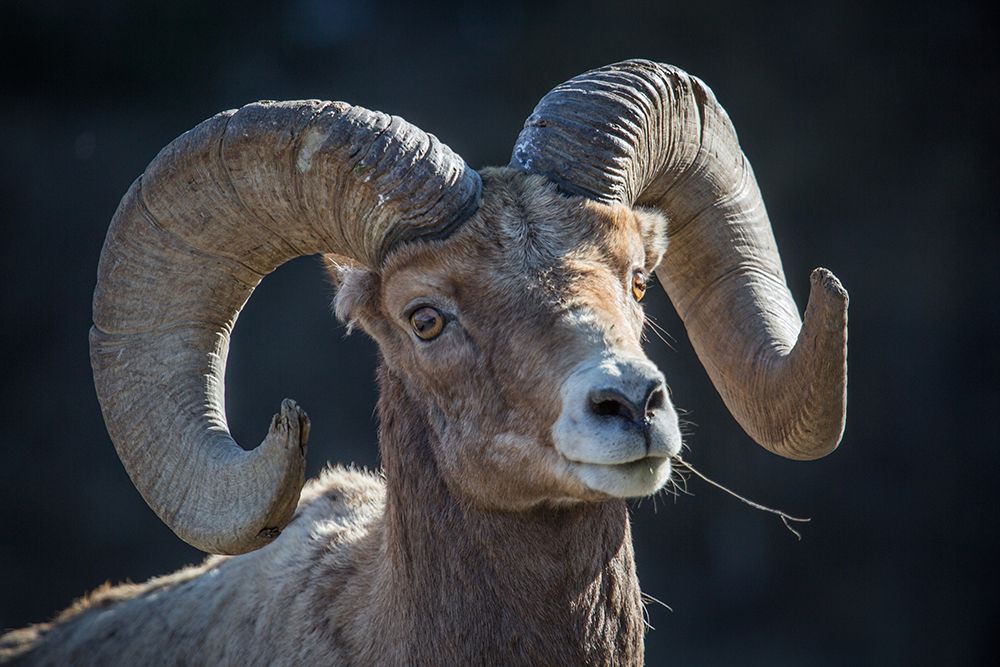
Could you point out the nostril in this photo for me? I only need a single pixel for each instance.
(612, 403)
(656, 400)
(610, 409)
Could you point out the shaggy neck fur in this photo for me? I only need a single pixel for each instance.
(406, 576)
(458, 585)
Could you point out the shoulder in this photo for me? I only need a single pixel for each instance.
(340, 498)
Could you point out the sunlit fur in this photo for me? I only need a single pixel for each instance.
(479, 542)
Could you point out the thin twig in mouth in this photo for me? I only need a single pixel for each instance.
(785, 517)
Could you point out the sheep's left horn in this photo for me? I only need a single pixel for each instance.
(643, 133)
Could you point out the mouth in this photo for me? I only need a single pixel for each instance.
(631, 479)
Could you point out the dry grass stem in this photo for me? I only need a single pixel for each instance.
(785, 517)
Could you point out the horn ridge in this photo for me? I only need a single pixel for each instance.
(220, 207)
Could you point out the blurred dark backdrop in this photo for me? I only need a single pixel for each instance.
(872, 129)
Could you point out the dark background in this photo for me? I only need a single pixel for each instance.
(871, 127)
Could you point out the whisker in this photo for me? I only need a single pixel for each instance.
(661, 333)
(678, 481)
(656, 325)
(660, 336)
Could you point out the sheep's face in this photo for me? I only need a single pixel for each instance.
(520, 338)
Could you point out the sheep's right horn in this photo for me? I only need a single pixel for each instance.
(219, 208)
(639, 132)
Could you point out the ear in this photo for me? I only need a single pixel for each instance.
(653, 228)
(357, 290)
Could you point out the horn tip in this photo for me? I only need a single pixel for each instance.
(290, 427)
(829, 283)
(824, 355)
(828, 301)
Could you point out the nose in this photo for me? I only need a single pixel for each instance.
(636, 405)
(616, 411)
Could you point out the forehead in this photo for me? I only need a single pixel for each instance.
(525, 231)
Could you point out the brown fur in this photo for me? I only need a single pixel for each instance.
(477, 547)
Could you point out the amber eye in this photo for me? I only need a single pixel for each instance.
(638, 285)
(427, 323)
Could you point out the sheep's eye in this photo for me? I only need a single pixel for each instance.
(427, 323)
(638, 285)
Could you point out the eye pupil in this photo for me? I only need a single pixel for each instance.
(638, 285)
(427, 322)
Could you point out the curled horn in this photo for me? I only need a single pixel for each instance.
(639, 132)
(218, 209)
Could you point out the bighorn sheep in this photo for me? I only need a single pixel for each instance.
(517, 409)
